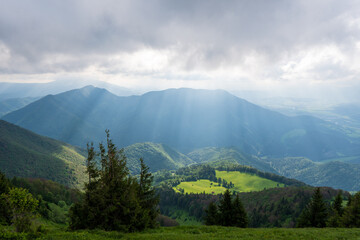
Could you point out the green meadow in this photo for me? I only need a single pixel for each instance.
(243, 182)
(200, 186)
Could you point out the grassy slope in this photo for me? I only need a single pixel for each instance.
(25, 154)
(210, 232)
(200, 186)
(244, 182)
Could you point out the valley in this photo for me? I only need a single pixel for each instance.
(272, 170)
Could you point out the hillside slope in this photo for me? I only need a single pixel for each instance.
(26, 154)
(339, 175)
(185, 119)
(156, 156)
(216, 155)
(9, 105)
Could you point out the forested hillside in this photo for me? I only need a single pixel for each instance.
(26, 154)
(156, 156)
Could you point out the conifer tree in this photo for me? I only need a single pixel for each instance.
(114, 200)
(225, 209)
(315, 213)
(147, 196)
(351, 217)
(239, 214)
(336, 211)
(212, 214)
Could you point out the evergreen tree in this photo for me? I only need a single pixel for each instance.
(147, 195)
(336, 212)
(225, 209)
(351, 217)
(212, 214)
(114, 200)
(239, 214)
(337, 206)
(315, 213)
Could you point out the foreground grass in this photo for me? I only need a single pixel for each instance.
(208, 232)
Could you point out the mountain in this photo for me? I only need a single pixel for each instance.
(336, 174)
(20, 90)
(185, 119)
(228, 155)
(26, 154)
(13, 104)
(313, 173)
(156, 156)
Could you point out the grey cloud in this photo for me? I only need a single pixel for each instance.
(214, 32)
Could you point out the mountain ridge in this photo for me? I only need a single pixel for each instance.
(185, 119)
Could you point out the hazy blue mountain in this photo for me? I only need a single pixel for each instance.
(185, 119)
(156, 156)
(13, 104)
(21, 90)
(26, 154)
(334, 174)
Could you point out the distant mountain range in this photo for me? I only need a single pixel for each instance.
(185, 119)
(21, 90)
(12, 104)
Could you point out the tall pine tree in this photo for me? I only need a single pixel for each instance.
(147, 196)
(239, 214)
(212, 214)
(225, 209)
(114, 200)
(351, 216)
(336, 211)
(315, 214)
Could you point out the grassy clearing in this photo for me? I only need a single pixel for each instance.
(245, 182)
(210, 232)
(200, 186)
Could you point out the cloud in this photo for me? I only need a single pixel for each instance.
(226, 43)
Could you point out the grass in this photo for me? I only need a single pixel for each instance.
(209, 232)
(245, 182)
(200, 186)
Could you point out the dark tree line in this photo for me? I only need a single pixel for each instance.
(115, 200)
(318, 214)
(227, 213)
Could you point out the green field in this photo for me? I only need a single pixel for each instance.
(245, 182)
(200, 186)
(209, 232)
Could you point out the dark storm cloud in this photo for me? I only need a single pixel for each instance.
(49, 36)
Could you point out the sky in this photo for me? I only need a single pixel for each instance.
(287, 48)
